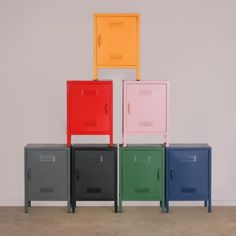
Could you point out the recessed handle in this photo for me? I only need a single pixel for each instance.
(128, 108)
(29, 174)
(99, 40)
(158, 174)
(171, 173)
(77, 175)
(106, 108)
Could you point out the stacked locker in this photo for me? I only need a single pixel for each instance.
(88, 172)
(142, 166)
(93, 167)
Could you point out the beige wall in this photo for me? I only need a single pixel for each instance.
(46, 42)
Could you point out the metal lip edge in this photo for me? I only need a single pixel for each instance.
(94, 146)
(46, 146)
(143, 145)
(89, 81)
(146, 81)
(117, 14)
(188, 146)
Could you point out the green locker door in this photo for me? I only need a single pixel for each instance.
(143, 174)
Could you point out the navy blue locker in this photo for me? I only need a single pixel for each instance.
(188, 173)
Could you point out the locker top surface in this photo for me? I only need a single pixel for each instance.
(116, 14)
(94, 146)
(146, 82)
(142, 147)
(51, 147)
(188, 146)
(89, 82)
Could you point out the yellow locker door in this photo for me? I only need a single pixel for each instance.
(117, 40)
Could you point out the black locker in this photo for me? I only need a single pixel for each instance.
(94, 174)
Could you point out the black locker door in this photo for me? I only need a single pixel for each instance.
(94, 175)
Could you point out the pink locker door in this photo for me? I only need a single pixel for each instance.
(146, 108)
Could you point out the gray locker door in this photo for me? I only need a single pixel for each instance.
(95, 175)
(47, 175)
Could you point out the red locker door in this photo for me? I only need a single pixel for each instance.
(89, 107)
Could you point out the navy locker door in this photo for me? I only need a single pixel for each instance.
(94, 175)
(188, 174)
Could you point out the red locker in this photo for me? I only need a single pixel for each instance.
(89, 109)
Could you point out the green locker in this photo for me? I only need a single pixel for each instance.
(142, 174)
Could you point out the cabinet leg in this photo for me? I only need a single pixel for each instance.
(209, 206)
(162, 205)
(167, 206)
(165, 137)
(73, 206)
(124, 139)
(120, 205)
(116, 205)
(29, 203)
(111, 139)
(68, 207)
(68, 140)
(26, 206)
(205, 203)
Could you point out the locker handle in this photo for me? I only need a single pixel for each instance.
(128, 108)
(99, 41)
(29, 174)
(106, 108)
(171, 173)
(77, 175)
(158, 174)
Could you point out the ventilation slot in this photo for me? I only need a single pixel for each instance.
(116, 24)
(47, 158)
(90, 92)
(95, 158)
(146, 123)
(146, 92)
(46, 190)
(90, 123)
(190, 159)
(94, 190)
(116, 57)
(188, 190)
(142, 190)
(142, 158)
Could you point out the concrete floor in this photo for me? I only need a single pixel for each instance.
(134, 221)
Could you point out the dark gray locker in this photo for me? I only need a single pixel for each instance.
(47, 173)
(94, 174)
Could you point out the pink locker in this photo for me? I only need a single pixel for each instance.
(145, 108)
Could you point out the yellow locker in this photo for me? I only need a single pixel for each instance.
(116, 41)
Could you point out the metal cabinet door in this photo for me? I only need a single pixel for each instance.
(47, 175)
(117, 40)
(89, 107)
(146, 108)
(188, 174)
(94, 175)
(142, 175)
